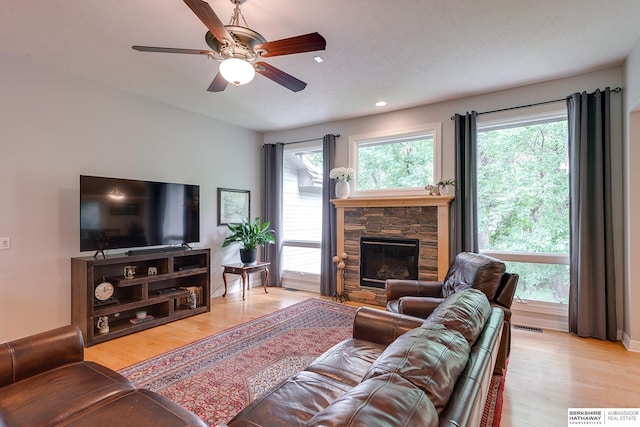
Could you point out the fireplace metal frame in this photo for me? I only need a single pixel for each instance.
(384, 241)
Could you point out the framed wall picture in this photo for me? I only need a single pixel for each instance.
(233, 206)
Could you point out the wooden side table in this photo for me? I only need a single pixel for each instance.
(244, 270)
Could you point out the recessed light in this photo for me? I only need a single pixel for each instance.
(318, 59)
(381, 103)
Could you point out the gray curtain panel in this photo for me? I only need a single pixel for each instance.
(465, 206)
(592, 299)
(272, 207)
(328, 248)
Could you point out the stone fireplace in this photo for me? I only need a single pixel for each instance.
(423, 219)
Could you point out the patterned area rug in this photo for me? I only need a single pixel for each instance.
(493, 406)
(219, 375)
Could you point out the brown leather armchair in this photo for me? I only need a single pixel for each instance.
(468, 270)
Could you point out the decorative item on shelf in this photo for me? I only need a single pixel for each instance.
(152, 271)
(185, 301)
(103, 324)
(339, 261)
(342, 177)
(103, 294)
(250, 235)
(191, 300)
(136, 320)
(446, 187)
(129, 271)
(142, 314)
(432, 190)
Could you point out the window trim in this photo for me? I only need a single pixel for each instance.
(529, 257)
(434, 129)
(523, 116)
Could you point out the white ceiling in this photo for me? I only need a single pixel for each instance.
(408, 52)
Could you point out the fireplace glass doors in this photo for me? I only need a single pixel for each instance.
(382, 259)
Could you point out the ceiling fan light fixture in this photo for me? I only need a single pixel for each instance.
(237, 71)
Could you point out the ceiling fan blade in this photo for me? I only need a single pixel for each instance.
(299, 44)
(218, 84)
(210, 20)
(280, 77)
(172, 50)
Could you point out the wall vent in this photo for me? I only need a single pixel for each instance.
(527, 328)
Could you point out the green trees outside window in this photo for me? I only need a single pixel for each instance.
(523, 204)
(406, 163)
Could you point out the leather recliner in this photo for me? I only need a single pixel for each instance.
(468, 270)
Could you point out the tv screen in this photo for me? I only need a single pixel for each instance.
(124, 213)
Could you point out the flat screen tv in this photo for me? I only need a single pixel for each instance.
(123, 213)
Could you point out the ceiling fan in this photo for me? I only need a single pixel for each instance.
(238, 49)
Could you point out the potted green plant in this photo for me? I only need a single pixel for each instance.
(250, 235)
(447, 187)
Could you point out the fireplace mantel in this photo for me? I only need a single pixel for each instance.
(439, 203)
(386, 202)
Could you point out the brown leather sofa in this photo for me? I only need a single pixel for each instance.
(468, 270)
(45, 381)
(397, 370)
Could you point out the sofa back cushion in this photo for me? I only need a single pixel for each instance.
(431, 358)
(380, 401)
(466, 312)
(471, 270)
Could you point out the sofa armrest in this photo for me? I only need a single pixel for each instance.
(29, 356)
(507, 290)
(382, 327)
(418, 306)
(397, 288)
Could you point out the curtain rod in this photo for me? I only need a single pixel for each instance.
(306, 140)
(616, 90)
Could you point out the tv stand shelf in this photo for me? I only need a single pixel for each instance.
(163, 295)
(123, 282)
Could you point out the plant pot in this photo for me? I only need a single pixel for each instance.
(248, 256)
(447, 190)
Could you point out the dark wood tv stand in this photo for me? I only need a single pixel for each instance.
(164, 296)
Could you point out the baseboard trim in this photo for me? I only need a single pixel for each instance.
(629, 344)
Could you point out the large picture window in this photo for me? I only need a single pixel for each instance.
(523, 201)
(402, 161)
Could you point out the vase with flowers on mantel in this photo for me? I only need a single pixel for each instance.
(343, 189)
(342, 177)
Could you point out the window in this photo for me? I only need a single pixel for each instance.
(302, 216)
(523, 201)
(391, 161)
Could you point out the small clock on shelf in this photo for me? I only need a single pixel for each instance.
(103, 294)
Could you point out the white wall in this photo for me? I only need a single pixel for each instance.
(55, 127)
(632, 198)
(442, 112)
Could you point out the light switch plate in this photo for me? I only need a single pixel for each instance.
(5, 243)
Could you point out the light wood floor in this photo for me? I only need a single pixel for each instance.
(548, 372)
